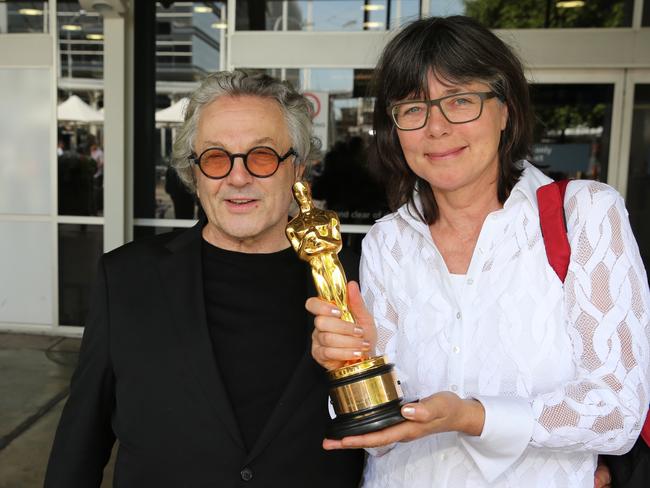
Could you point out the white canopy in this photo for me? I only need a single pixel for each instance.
(74, 109)
(173, 114)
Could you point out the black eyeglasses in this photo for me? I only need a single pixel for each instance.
(260, 161)
(459, 108)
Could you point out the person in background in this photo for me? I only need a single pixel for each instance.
(97, 154)
(182, 198)
(522, 380)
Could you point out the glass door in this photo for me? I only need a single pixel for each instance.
(578, 114)
(636, 151)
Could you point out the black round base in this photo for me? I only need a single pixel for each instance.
(370, 420)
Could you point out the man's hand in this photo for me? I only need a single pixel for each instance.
(335, 341)
(441, 412)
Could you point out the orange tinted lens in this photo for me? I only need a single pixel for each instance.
(215, 163)
(262, 162)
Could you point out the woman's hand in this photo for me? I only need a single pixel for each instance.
(335, 341)
(441, 412)
(602, 476)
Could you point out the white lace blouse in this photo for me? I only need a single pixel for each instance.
(562, 370)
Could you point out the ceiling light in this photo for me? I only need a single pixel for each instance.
(570, 4)
(219, 25)
(373, 25)
(30, 11)
(203, 9)
(370, 8)
(95, 37)
(71, 27)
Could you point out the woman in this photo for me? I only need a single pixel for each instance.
(522, 380)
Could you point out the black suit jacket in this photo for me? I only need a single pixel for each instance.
(147, 375)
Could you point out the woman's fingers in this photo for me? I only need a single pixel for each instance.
(362, 317)
(335, 325)
(317, 307)
(329, 346)
(602, 476)
(335, 341)
(357, 306)
(330, 444)
(403, 432)
(340, 341)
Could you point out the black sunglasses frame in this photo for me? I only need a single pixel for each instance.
(244, 156)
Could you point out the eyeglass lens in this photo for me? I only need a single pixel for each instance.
(259, 162)
(457, 109)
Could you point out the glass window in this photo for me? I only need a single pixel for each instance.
(80, 247)
(571, 136)
(351, 15)
(638, 183)
(80, 176)
(340, 179)
(325, 15)
(80, 153)
(188, 40)
(23, 17)
(548, 13)
(645, 19)
(189, 44)
(573, 129)
(81, 41)
(25, 140)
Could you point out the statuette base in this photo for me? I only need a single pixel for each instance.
(359, 423)
(366, 396)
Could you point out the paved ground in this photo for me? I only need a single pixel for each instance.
(34, 378)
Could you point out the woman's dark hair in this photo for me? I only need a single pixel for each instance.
(460, 50)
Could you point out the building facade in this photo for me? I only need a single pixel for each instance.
(76, 184)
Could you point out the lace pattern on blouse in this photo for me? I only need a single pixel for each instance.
(601, 313)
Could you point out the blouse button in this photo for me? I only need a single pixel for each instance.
(458, 315)
(456, 349)
(470, 281)
(454, 388)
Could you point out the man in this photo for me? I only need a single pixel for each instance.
(196, 350)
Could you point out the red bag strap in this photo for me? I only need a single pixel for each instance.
(550, 200)
(645, 430)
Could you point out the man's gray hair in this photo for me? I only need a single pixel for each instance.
(295, 107)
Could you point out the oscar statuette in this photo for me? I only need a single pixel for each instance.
(365, 393)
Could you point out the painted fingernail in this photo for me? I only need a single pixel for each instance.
(357, 354)
(358, 331)
(336, 311)
(365, 345)
(408, 411)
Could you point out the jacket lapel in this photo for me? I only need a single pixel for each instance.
(182, 279)
(305, 377)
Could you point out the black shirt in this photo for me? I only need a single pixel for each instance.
(255, 310)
